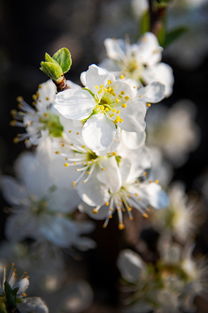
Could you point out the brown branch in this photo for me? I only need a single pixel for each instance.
(61, 84)
(156, 15)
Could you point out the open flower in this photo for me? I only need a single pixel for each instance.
(105, 104)
(42, 203)
(40, 120)
(121, 187)
(140, 61)
(12, 293)
(178, 219)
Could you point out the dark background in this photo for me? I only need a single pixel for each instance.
(29, 29)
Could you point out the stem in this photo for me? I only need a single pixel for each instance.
(61, 84)
(156, 15)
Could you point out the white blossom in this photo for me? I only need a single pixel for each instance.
(41, 206)
(173, 130)
(140, 61)
(120, 187)
(178, 218)
(105, 104)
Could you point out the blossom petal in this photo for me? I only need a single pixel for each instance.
(133, 140)
(134, 116)
(58, 230)
(115, 48)
(98, 132)
(93, 192)
(130, 265)
(152, 93)
(154, 195)
(13, 192)
(161, 73)
(149, 51)
(74, 104)
(94, 77)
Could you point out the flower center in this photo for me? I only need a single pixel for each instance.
(111, 102)
(38, 206)
(51, 122)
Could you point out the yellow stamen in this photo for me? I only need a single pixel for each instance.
(121, 226)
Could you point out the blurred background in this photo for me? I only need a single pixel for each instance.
(30, 28)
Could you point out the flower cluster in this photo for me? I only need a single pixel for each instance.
(99, 150)
(98, 130)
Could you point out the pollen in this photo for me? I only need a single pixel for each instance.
(74, 183)
(19, 99)
(13, 112)
(107, 203)
(16, 140)
(66, 164)
(109, 82)
(13, 123)
(117, 100)
(157, 181)
(122, 76)
(148, 105)
(121, 226)
(95, 211)
(145, 215)
(124, 105)
(118, 119)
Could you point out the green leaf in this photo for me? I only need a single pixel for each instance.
(144, 23)
(48, 58)
(63, 58)
(174, 34)
(52, 70)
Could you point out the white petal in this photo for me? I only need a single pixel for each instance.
(13, 192)
(98, 132)
(152, 93)
(153, 194)
(133, 140)
(110, 175)
(28, 166)
(58, 230)
(161, 73)
(46, 95)
(75, 105)
(134, 116)
(149, 51)
(130, 265)
(22, 285)
(95, 76)
(32, 304)
(115, 48)
(93, 192)
(22, 225)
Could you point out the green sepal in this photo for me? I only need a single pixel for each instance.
(174, 34)
(51, 69)
(63, 58)
(11, 295)
(53, 125)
